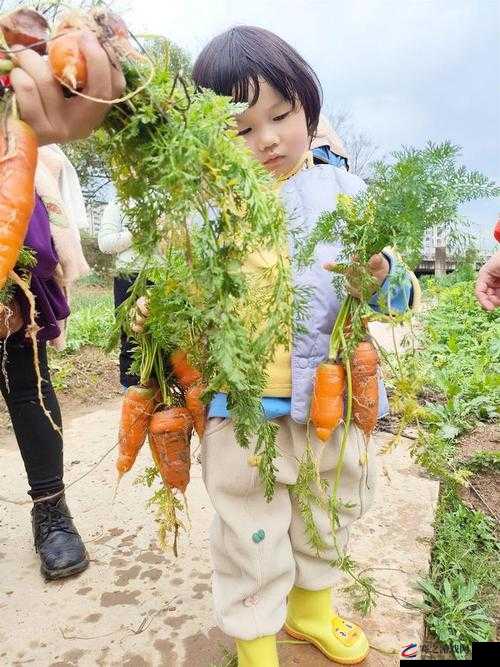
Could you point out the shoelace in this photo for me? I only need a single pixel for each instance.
(51, 518)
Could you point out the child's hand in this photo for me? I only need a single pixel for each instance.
(139, 314)
(42, 104)
(377, 268)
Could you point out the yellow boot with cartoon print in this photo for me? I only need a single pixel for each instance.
(310, 617)
(260, 652)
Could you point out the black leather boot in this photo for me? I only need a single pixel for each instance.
(57, 540)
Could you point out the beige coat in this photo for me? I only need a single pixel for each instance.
(326, 136)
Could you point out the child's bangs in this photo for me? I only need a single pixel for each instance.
(247, 88)
(232, 64)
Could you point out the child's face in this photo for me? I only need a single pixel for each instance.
(275, 132)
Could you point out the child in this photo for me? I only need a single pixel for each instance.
(327, 146)
(260, 584)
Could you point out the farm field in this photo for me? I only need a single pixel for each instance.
(138, 605)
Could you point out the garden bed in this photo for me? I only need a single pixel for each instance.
(84, 375)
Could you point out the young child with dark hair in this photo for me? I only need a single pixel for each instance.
(265, 572)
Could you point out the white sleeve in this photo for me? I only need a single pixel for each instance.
(71, 193)
(74, 207)
(113, 237)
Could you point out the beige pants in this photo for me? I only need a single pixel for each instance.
(252, 579)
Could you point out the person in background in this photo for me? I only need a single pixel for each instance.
(53, 236)
(114, 238)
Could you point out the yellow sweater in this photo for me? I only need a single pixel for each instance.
(259, 270)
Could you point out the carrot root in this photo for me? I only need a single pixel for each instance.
(169, 437)
(327, 399)
(365, 395)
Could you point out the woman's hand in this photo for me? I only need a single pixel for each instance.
(42, 105)
(11, 319)
(488, 283)
(377, 268)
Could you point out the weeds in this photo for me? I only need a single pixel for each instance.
(461, 590)
(459, 361)
(91, 321)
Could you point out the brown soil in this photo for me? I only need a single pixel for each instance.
(83, 381)
(483, 492)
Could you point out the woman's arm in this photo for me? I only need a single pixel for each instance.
(113, 237)
(42, 104)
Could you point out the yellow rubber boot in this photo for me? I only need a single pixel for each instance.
(260, 652)
(311, 618)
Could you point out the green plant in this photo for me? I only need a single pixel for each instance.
(91, 321)
(457, 363)
(461, 590)
(61, 371)
(455, 616)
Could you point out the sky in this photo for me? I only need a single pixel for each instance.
(407, 71)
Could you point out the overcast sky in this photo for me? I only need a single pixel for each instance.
(408, 71)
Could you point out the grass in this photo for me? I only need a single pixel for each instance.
(459, 361)
(89, 325)
(91, 319)
(460, 593)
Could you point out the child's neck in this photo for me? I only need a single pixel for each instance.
(305, 159)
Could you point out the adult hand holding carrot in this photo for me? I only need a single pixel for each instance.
(377, 269)
(40, 98)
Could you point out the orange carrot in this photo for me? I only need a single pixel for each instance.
(364, 366)
(137, 408)
(18, 156)
(65, 58)
(183, 371)
(327, 402)
(189, 379)
(26, 28)
(196, 407)
(169, 437)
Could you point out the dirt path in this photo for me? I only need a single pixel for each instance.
(138, 606)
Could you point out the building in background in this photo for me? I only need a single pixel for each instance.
(434, 238)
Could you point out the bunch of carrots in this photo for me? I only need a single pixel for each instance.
(169, 429)
(331, 392)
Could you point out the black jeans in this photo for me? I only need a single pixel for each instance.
(121, 286)
(41, 446)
